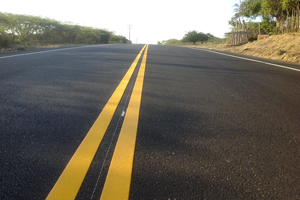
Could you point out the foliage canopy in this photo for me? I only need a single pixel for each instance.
(32, 30)
(194, 36)
(278, 16)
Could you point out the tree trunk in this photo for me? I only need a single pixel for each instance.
(298, 17)
(278, 24)
(287, 20)
(293, 21)
(282, 22)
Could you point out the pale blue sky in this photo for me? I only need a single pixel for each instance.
(151, 21)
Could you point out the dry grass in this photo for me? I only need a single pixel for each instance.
(280, 47)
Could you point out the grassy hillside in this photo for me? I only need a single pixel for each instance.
(280, 47)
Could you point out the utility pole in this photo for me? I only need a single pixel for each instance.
(129, 26)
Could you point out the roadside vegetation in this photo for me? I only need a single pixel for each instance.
(195, 38)
(277, 16)
(280, 19)
(37, 31)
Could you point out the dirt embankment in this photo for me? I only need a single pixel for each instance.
(280, 47)
(16, 48)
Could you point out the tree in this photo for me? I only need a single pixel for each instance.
(105, 35)
(194, 36)
(4, 23)
(203, 37)
(32, 30)
(277, 15)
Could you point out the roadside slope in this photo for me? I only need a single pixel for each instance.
(279, 47)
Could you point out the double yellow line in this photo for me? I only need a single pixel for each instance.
(117, 184)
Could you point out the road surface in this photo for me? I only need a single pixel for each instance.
(148, 122)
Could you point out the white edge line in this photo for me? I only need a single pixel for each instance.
(281, 66)
(62, 49)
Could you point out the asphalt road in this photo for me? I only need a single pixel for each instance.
(211, 126)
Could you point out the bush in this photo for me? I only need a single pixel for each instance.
(115, 39)
(269, 27)
(173, 42)
(4, 42)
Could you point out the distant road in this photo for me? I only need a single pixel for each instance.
(177, 123)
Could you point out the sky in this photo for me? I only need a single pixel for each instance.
(151, 21)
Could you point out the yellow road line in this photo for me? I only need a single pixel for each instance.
(69, 182)
(117, 184)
